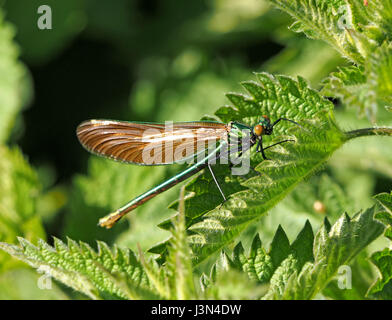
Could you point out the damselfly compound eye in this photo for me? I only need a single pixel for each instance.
(258, 130)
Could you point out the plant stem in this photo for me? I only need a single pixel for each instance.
(375, 131)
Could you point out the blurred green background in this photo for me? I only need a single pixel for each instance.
(147, 61)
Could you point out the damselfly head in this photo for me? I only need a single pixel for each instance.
(264, 127)
(258, 129)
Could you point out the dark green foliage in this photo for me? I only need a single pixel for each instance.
(174, 61)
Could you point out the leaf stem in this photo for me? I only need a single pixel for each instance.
(375, 131)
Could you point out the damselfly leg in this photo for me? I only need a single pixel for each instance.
(259, 147)
(217, 184)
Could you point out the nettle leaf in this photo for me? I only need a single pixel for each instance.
(105, 274)
(179, 260)
(156, 275)
(379, 13)
(353, 280)
(364, 88)
(350, 85)
(336, 22)
(225, 282)
(212, 226)
(174, 280)
(302, 270)
(263, 266)
(228, 281)
(379, 71)
(385, 200)
(19, 193)
(382, 288)
(275, 96)
(299, 254)
(333, 247)
(15, 84)
(258, 265)
(360, 33)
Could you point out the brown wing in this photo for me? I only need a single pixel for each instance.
(149, 143)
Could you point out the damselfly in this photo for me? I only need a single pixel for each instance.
(145, 143)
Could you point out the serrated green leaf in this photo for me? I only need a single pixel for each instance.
(239, 257)
(232, 284)
(19, 192)
(380, 14)
(179, 263)
(105, 274)
(330, 21)
(289, 268)
(357, 280)
(360, 33)
(280, 247)
(385, 200)
(350, 85)
(303, 245)
(252, 197)
(365, 89)
(156, 276)
(26, 284)
(226, 281)
(300, 252)
(258, 265)
(380, 71)
(261, 265)
(382, 288)
(386, 218)
(333, 247)
(307, 265)
(23, 252)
